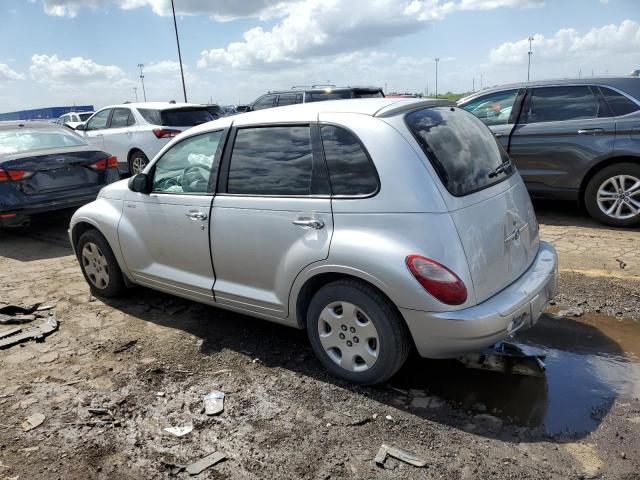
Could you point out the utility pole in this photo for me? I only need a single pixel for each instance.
(135, 90)
(473, 89)
(437, 60)
(175, 26)
(144, 92)
(530, 53)
(481, 81)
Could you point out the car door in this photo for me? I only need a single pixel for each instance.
(289, 99)
(497, 110)
(563, 131)
(118, 137)
(96, 126)
(164, 235)
(271, 218)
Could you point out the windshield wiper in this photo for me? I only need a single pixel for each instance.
(500, 168)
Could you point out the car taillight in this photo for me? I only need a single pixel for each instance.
(165, 132)
(14, 175)
(103, 164)
(438, 280)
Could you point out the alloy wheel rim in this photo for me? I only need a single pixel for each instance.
(348, 336)
(138, 165)
(619, 197)
(95, 265)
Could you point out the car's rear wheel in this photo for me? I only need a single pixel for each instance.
(99, 266)
(137, 162)
(356, 332)
(613, 195)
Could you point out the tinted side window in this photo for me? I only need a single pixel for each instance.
(286, 100)
(350, 170)
(264, 102)
(493, 109)
(322, 96)
(272, 161)
(120, 118)
(99, 120)
(618, 103)
(188, 166)
(553, 104)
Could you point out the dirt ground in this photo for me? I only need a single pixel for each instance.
(117, 373)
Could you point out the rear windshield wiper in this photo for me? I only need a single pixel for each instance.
(500, 168)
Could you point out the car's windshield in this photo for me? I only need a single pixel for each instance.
(25, 139)
(463, 151)
(180, 117)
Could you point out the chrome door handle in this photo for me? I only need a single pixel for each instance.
(309, 222)
(196, 215)
(590, 131)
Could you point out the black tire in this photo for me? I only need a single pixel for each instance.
(137, 156)
(115, 285)
(591, 194)
(394, 339)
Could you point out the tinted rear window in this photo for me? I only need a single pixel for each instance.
(462, 150)
(322, 96)
(183, 117)
(555, 104)
(85, 116)
(618, 103)
(25, 139)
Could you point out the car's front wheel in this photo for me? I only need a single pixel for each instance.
(137, 162)
(99, 266)
(613, 195)
(356, 332)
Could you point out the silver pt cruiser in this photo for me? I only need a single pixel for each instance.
(378, 225)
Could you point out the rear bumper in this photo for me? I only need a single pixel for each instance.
(450, 334)
(20, 215)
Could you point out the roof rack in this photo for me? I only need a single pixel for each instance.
(300, 87)
(323, 85)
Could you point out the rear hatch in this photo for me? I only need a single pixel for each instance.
(57, 172)
(485, 196)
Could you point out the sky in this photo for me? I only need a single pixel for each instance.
(66, 52)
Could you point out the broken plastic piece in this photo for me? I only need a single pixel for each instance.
(205, 462)
(401, 454)
(214, 402)
(179, 431)
(33, 421)
(34, 332)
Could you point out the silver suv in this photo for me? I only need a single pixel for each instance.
(379, 225)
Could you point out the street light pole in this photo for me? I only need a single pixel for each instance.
(144, 92)
(175, 26)
(135, 90)
(530, 53)
(437, 60)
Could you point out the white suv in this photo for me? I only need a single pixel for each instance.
(73, 119)
(136, 132)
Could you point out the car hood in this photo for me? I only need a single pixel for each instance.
(116, 190)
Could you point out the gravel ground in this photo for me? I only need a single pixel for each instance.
(116, 374)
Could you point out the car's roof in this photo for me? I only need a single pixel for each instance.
(623, 83)
(13, 124)
(155, 105)
(378, 107)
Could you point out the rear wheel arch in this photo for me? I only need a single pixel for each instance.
(593, 171)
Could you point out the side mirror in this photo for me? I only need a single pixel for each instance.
(140, 183)
(81, 126)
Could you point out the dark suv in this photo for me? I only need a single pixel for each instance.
(572, 140)
(315, 93)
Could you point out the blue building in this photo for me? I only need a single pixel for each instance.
(50, 113)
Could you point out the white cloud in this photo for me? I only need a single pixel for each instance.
(316, 28)
(6, 73)
(51, 69)
(568, 44)
(165, 66)
(70, 8)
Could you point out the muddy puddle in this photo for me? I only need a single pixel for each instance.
(591, 361)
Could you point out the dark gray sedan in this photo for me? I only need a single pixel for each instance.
(46, 167)
(572, 140)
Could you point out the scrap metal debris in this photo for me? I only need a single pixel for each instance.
(214, 402)
(33, 421)
(205, 462)
(508, 357)
(401, 454)
(33, 332)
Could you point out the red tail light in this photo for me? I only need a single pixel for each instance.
(438, 280)
(165, 132)
(14, 175)
(110, 162)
